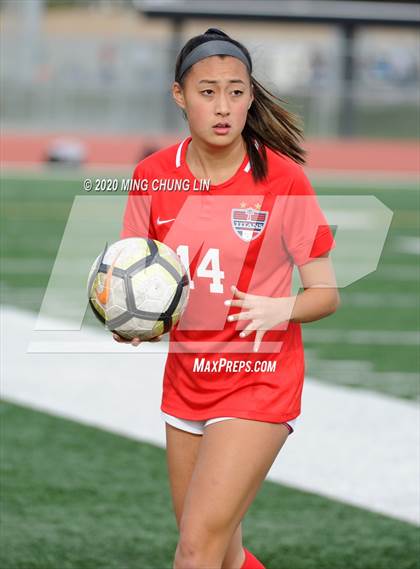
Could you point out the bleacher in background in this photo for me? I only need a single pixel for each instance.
(99, 66)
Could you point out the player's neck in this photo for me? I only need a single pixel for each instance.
(215, 163)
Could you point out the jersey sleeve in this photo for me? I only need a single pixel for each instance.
(137, 216)
(306, 233)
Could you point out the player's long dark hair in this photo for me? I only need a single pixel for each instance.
(268, 123)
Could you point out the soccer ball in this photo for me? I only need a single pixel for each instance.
(138, 288)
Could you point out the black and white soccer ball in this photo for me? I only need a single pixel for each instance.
(138, 287)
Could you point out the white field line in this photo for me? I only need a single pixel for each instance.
(408, 245)
(45, 172)
(373, 337)
(344, 179)
(389, 272)
(393, 383)
(333, 368)
(351, 445)
(365, 178)
(380, 299)
(34, 265)
(398, 272)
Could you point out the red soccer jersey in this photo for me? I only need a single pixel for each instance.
(238, 233)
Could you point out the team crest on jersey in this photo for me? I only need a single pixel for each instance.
(248, 222)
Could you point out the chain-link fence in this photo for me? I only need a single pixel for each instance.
(110, 82)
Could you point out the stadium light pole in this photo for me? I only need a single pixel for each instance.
(346, 113)
(174, 48)
(348, 16)
(30, 15)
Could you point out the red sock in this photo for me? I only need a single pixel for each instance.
(251, 562)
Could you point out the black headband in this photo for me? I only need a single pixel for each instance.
(213, 47)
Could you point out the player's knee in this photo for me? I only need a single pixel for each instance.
(200, 530)
(196, 539)
(186, 555)
(191, 552)
(191, 541)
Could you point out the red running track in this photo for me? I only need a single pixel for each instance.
(361, 155)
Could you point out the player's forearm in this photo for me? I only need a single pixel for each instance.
(315, 303)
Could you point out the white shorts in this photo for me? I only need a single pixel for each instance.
(197, 427)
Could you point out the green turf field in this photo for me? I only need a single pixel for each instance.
(77, 497)
(370, 342)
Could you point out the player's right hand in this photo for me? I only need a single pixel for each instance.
(134, 341)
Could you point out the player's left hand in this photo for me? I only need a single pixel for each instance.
(264, 312)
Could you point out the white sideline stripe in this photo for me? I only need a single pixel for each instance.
(351, 445)
(42, 171)
(363, 375)
(394, 272)
(377, 299)
(64, 342)
(406, 244)
(389, 272)
(388, 179)
(374, 337)
(344, 179)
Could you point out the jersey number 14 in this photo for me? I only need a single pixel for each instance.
(208, 268)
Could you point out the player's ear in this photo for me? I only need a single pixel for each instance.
(178, 95)
(252, 97)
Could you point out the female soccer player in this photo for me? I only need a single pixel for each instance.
(234, 373)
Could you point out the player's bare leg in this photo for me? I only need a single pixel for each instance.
(233, 460)
(181, 453)
(235, 556)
